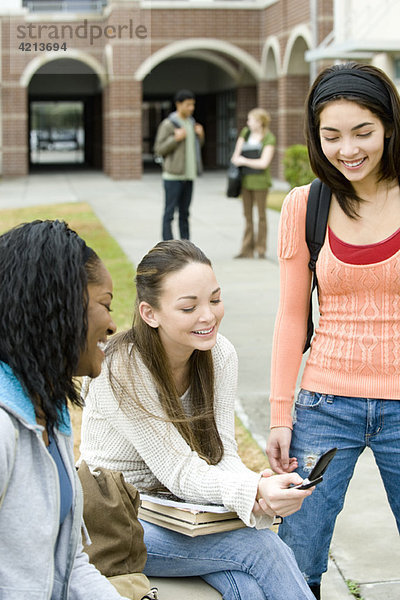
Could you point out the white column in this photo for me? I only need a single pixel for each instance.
(342, 17)
(314, 35)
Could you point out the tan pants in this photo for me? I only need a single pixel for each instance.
(250, 243)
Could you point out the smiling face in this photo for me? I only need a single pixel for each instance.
(100, 324)
(352, 139)
(190, 311)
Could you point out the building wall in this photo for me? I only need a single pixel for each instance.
(377, 21)
(234, 38)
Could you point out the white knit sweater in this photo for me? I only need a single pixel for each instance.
(117, 434)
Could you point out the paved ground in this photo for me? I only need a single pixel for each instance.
(366, 546)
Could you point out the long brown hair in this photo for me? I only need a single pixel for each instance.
(388, 112)
(199, 429)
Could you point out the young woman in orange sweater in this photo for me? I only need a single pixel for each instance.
(350, 387)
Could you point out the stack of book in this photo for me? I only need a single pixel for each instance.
(166, 510)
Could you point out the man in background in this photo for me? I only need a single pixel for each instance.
(178, 142)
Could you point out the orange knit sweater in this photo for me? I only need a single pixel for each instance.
(356, 347)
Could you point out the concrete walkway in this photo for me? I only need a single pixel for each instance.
(366, 545)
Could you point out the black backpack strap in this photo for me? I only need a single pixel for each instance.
(171, 117)
(319, 200)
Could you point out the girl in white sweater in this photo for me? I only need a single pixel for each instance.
(162, 412)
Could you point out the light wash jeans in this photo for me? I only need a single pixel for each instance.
(245, 564)
(322, 422)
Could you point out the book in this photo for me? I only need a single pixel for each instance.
(190, 529)
(172, 506)
(191, 519)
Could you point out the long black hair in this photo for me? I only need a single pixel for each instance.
(370, 88)
(45, 268)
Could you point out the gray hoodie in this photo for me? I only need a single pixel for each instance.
(39, 560)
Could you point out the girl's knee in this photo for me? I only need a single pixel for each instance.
(266, 544)
(235, 585)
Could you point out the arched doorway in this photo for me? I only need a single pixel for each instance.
(224, 81)
(65, 116)
(269, 91)
(297, 71)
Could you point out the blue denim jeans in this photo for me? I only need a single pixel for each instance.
(178, 195)
(322, 422)
(245, 564)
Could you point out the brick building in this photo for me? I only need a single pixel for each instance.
(122, 61)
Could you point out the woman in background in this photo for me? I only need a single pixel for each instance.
(253, 152)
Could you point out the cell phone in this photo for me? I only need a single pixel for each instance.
(319, 469)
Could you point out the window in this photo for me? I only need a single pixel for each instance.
(56, 132)
(396, 64)
(64, 5)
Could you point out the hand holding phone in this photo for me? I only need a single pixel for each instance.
(319, 469)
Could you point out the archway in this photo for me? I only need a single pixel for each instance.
(65, 113)
(297, 72)
(224, 80)
(295, 60)
(271, 58)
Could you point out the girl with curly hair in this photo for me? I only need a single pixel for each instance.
(55, 297)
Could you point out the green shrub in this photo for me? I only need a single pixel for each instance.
(297, 170)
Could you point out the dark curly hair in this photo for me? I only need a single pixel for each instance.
(45, 268)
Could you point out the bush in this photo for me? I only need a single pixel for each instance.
(297, 170)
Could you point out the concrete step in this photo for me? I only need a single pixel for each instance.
(184, 588)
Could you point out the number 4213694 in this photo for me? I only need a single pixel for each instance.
(42, 46)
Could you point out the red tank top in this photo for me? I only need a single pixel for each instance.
(365, 254)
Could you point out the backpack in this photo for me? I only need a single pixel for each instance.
(319, 199)
(156, 157)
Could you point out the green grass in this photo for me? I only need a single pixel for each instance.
(82, 219)
(251, 453)
(275, 200)
(354, 589)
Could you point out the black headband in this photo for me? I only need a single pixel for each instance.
(351, 82)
